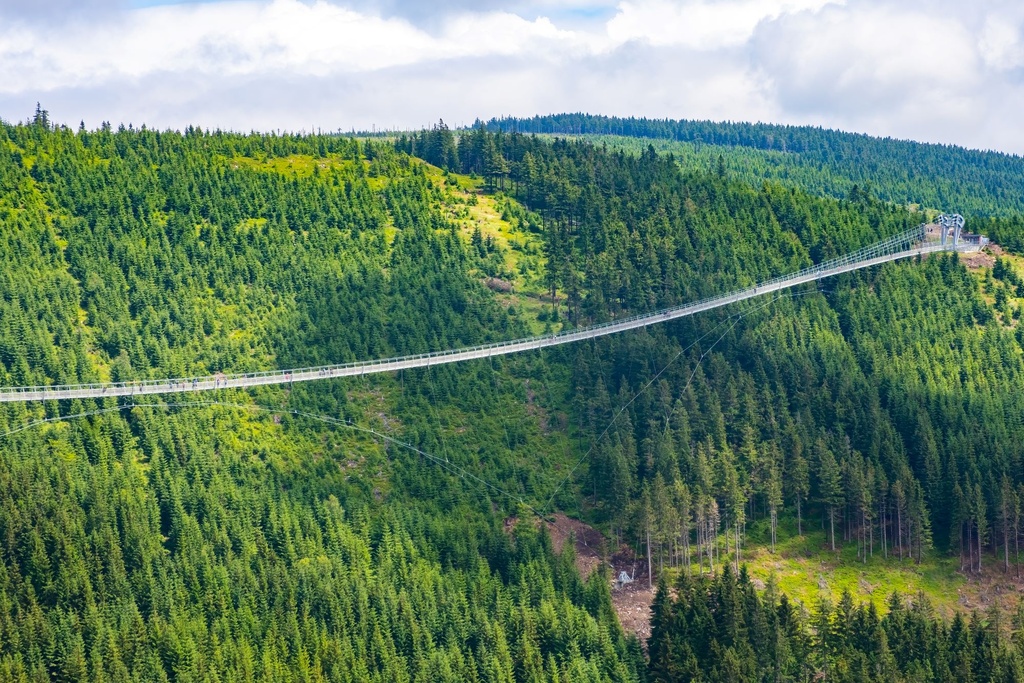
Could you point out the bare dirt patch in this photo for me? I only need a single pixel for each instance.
(590, 544)
(498, 285)
(980, 259)
(632, 601)
(994, 587)
(632, 604)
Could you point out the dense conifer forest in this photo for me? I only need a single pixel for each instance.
(264, 539)
(980, 183)
(722, 629)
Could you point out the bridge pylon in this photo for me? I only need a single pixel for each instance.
(950, 221)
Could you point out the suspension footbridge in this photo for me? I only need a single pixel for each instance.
(919, 241)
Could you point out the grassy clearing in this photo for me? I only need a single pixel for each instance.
(468, 206)
(299, 165)
(532, 309)
(520, 254)
(981, 266)
(806, 569)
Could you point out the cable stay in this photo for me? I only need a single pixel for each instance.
(541, 511)
(445, 463)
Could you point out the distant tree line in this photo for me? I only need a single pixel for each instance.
(936, 176)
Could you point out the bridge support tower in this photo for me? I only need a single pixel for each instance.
(954, 222)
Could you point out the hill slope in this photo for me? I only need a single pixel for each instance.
(265, 539)
(828, 162)
(228, 543)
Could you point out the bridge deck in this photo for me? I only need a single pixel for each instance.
(864, 259)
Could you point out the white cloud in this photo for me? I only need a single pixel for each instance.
(891, 70)
(235, 39)
(864, 60)
(932, 70)
(1000, 42)
(700, 24)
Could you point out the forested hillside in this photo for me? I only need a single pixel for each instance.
(213, 543)
(827, 162)
(721, 629)
(889, 402)
(268, 540)
(884, 411)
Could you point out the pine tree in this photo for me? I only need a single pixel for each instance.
(684, 516)
(830, 486)
(1007, 507)
(800, 484)
(774, 495)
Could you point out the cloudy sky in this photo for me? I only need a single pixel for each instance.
(934, 70)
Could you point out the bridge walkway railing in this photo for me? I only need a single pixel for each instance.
(905, 245)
